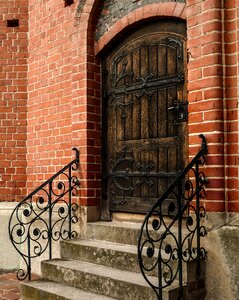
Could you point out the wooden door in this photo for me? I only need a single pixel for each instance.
(144, 116)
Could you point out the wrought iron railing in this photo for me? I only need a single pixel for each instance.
(161, 249)
(44, 216)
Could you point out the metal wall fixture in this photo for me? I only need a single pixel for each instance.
(159, 246)
(44, 216)
(68, 2)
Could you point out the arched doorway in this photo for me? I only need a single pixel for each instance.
(144, 115)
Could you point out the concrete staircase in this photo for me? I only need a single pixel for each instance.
(104, 266)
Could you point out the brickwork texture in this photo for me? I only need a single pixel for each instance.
(51, 89)
(13, 98)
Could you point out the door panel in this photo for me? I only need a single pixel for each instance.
(144, 133)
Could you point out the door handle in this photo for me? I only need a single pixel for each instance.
(181, 111)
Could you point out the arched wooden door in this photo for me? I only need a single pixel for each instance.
(144, 116)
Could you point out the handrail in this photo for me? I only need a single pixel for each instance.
(161, 250)
(44, 216)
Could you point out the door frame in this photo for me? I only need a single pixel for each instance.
(152, 27)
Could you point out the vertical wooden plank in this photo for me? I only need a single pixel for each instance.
(162, 113)
(172, 114)
(131, 170)
(111, 111)
(144, 162)
(153, 107)
(136, 126)
(183, 128)
(128, 109)
(153, 189)
(128, 112)
(162, 60)
(180, 156)
(144, 117)
(144, 61)
(172, 159)
(119, 119)
(111, 130)
(153, 60)
(136, 157)
(128, 68)
(122, 114)
(172, 162)
(105, 141)
(153, 115)
(162, 167)
(116, 65)
(127, 182)
(136, 64)
(171, 60)
(144, 98)
(120, 70)
(180, 60)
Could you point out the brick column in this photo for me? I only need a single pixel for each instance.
(205, 92)
(231, 72)
(86, 106)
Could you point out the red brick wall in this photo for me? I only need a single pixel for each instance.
(13, 100)
(49, 138)
(205, 86)
(231, 76)
(213, 74)
(86, 115)
(64, 98)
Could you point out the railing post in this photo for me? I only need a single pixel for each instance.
(180, 264)
(50, 220)
(160, 277)
(29, 256)
(69, 204)
(198, 215)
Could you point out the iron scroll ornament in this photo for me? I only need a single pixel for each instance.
(44, 216)
(161, 250)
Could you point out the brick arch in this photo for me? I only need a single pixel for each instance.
(91, 8)
(165, 9)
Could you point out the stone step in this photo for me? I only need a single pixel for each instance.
(48, 290)
(105, 266)
(123, 232)
(116, 232)
(102, 280)
(115, 255)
